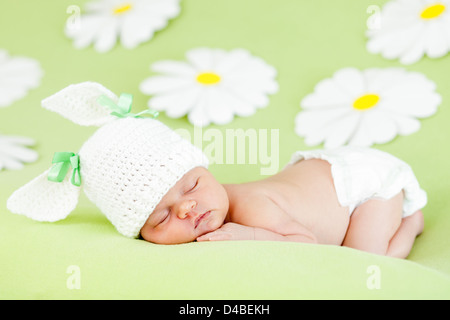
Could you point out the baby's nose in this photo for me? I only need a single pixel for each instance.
(185, 208)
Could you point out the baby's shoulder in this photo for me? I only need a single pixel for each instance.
(254, 205)
(250, 194)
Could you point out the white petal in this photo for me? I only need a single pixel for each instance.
(351, 81)
(258, 99)
(107, 36)
(201, 58)
(186, 102)
(240, 107)
(416, 51)
(253, 90)
(164, 84)
(21, 73)
(394, 18)
(445, 24)
(326, 94)
(341, 130)
(176, 104)
(101, 6)
(10, 93)
(380, 81)
(412, 105)
(399, 37)
(411, 83)
(161, 8)
(314, 125)
(380, 126)
(198, 116)
(401, 42)
(4, 56)
(315, 101)
(436, 44)
(18, 153)
(135, 30)
(254, 74)
(361, 136)
(205, 59)
(393, 11)
(25, 141)
(13, 152)
(427, 3)
(217, 110)
(239, 64)
(9, 163)
(86, 31)
(405, 124)
(233, 61)
(174, 68)
(17, 76)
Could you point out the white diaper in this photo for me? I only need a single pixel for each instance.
(361, 174)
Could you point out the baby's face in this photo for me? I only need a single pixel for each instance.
(195, 205)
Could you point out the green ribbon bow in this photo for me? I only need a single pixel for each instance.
(62, 161)
(122, 108)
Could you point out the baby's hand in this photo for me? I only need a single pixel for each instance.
(229, 231)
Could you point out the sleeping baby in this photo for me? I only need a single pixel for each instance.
(153, 184)
(356, 197)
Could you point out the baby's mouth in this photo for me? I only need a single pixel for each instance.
(200, 218)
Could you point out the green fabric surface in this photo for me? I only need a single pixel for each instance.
(306, 41)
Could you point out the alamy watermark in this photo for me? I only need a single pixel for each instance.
(374, 279)
(74, 279)
(74, 20)
(373, 22)
(238, 146)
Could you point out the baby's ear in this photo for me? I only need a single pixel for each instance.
(78, 103)
(44, 200)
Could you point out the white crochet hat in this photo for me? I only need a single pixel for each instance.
(124, 168)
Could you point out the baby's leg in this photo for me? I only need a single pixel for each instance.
(376, 226)
(402, 242)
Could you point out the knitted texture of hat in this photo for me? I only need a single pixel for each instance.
(129, 164)
(78, 103)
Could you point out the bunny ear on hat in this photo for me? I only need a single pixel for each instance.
(52, 195)
(79, 103)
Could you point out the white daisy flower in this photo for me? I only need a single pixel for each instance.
(17, 76)
(411, 28)
(212, 86)
(134, 21)
(14, 152)
(361, 108)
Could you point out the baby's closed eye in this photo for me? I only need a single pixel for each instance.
(164, 216)
(193, 186)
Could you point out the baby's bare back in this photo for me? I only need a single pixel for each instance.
(302, 193)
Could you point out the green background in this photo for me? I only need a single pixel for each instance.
(306, 41)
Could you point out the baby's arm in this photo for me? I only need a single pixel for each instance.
(234, 231)
(305, 237)
(252, 226)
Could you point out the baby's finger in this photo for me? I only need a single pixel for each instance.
(204, 237)
(214, 236)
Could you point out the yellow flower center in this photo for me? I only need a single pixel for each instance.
(208, 78)
(366, 101)
(122, 9)
(433, 11)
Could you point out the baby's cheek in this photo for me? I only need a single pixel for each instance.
(216, 222)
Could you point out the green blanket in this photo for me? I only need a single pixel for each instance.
(83, 257)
